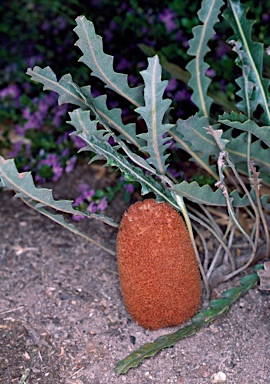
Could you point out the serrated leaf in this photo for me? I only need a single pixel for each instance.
(246, 105)
(23, 184)
(64, 87)
(70, 92)
(59, 219)
(112, 117)
(101, 64)
(235, 14)
(249, 281)
(237, 148)
(219, 97)
(153, 114)
(217, 135)
(199, 82)
(244, 124)
(202, 195)
(81, 121)
(205, 195)
(104, 149)
(219, 303)
(219, 308)
(191, 135)
(194, 131)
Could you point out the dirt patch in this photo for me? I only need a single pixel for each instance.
(62, 318)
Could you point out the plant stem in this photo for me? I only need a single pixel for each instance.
(182, 206)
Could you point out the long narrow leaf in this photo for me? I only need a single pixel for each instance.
(71, 227)
(205, 195)
(131, 172)
(153, 114)
(23, 185)
(109, 117)
(244, 124)
(216, 308)
(235, 14)
(219, 97)
(199, 82)
(237, 148)
(191, 135)
(69, 92)
(202, 162)
(101, 64)
(246, 105)
(81, 121)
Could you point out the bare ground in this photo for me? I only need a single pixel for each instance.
(62, 318)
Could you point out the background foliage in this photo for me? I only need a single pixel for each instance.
(40, 33)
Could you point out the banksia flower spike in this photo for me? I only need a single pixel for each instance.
(159, 276)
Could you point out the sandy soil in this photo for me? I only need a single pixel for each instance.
(63, 321)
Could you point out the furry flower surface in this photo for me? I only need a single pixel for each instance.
(159, 275)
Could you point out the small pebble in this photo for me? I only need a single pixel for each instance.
(218, 377)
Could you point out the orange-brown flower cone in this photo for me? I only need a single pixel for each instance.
(159, 276)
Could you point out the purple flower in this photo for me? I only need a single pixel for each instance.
(122, 65)
(113, 104)
(70, 164)
(172, 85)
(210, 72)
(65, 152)
(19, 130)
(46, 26)
(16, 149)
(26, 112)
(176, 173)
(182, 95)
(111, 141)
(52, 161)
(129, 188)
(102, 205)
(77, 217)
(83, 187)
(33, 60)
(78, 201)
(88, 194)
(92, 207)
(79, 143)
(12, 91)
(167, 17)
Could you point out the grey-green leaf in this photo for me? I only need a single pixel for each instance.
(199, 82)
(217, 308)
(101, 64)
(191, 135)
(237, 148)
(205, 195)
(244, 124)
(153, 114)
(235, 14)
(63, 87)
(130, 171)
(23, 185)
